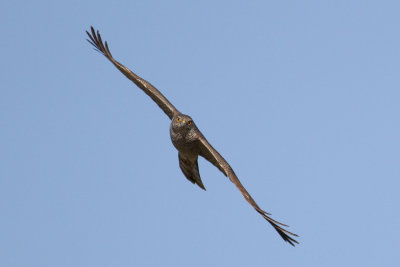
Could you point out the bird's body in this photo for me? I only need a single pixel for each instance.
(185, 137)
(188, 139)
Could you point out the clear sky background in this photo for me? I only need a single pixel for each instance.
(301, 98)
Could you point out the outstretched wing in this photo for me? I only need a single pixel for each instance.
(212, 155)
(150, 90)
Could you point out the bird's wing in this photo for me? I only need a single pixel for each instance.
(212, 155)
(150, 90)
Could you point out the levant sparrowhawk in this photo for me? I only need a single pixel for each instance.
(187, 138)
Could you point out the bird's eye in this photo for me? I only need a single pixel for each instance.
(178, 119)
(189, 123)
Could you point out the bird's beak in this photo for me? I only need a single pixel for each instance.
(183, 121)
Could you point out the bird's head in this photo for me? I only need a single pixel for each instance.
(182, 123)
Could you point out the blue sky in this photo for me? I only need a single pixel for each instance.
(300, 97)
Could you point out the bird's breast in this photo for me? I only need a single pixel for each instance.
(184, 142)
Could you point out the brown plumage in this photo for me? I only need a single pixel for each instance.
(187, 138)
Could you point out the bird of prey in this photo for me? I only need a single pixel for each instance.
(187, 138)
